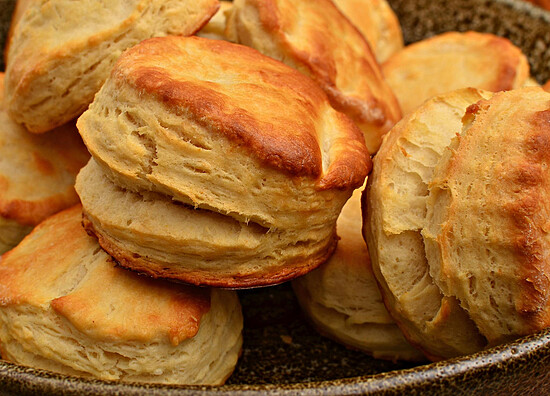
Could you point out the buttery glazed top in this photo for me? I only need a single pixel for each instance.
(317, 39)
(59, 265)
(276, 113)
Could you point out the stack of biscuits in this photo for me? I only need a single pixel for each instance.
(230, 144)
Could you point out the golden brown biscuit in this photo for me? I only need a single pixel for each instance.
(215, 28)
(487, 235)
(451, 61)
(394, 213)
(377, 22)
(217, 139)
(316, 39)
(65, 307)
(37, 175)
(62, 51)
(342, 299)
(546, 86)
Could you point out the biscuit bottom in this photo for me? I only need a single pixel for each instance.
(152, 234)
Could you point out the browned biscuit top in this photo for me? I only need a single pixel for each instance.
(276, 113)
(317, 39)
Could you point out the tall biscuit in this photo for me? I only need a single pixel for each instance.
(250, 139)
(487, 237)
(394, 216)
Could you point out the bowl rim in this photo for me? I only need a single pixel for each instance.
(500, 356)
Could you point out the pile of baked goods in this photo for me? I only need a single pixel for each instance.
(167, 153)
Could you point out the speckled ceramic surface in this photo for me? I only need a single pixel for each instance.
(282, 354)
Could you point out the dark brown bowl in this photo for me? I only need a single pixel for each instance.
(282, 354)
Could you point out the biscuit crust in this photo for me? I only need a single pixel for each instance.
(452, 61)
(319, 41)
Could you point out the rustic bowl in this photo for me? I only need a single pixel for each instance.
(282, 354)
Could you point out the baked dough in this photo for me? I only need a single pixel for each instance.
(315, 38)
(377, 22)
(65, 307)
(216, 139)
(487, 231)
(62, 51)
(451, 61)
(342, 299)
(395, 214)
(37, 175)
(215, 28)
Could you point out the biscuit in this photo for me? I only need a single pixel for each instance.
(215, 138)
(215, 28)
(377, 22)
(342, 299)
(61, 52)
(451, 61)
(37, 175)
(65, 307)
(394, 216)
(486, 232)
(319, 41)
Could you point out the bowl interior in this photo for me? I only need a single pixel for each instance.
(282, 352)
